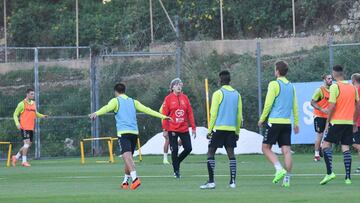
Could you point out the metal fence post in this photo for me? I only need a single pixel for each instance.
(37, 93)
(258, 65)
(178, 48)
(331, 54)
(97, 105)
(94, 94)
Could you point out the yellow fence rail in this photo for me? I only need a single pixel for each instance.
(9, 152)
(110, 141)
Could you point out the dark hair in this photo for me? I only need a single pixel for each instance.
(338, 68)
(120, 88)
(282, 67)
(324, 75)
(225, 77)
(29, 90)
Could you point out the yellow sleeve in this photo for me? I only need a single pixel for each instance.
(273, 91)
(160, 111)
(295, 109)
(19, 109)
(142, 108)
(239, 116)
(215, 103)
(317, 96)
(357, 95)
(334, 93)
(111, 106)
(39, 115)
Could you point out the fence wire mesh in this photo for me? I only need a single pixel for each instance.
(64, 95)
(15, 77)
(346, 54)
(69, 87)
(62, 83)
(146, 76)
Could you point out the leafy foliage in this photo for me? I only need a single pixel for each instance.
(125, 24)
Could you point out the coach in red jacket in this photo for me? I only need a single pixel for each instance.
(177, 106)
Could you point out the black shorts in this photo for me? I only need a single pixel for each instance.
(340, 133)
(127, 143)
(356, 139)
(222, 138)
(27, 134)
(174, 142)
(277, 133)
(319, 124)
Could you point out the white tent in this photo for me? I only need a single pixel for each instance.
(249, 143)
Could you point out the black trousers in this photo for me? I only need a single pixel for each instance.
(174, 147)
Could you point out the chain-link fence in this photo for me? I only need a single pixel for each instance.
(62, 87)
(305, 65)
(146, 75)
(197, 67)
(15, 77)
(346, 54)
(67, 88)
(64, 95)
(253, 69)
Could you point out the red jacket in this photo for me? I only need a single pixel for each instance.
(178, 107)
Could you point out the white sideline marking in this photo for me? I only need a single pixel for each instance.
(199, 176)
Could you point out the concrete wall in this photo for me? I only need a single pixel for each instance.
(271, 46)
(76, 64)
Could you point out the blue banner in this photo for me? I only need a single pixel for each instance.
(304, 92)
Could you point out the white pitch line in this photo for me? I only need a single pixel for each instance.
(82, 177)
(198, 176)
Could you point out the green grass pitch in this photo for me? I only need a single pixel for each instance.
(65, 180)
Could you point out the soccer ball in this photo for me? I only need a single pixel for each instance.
(106, 1)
